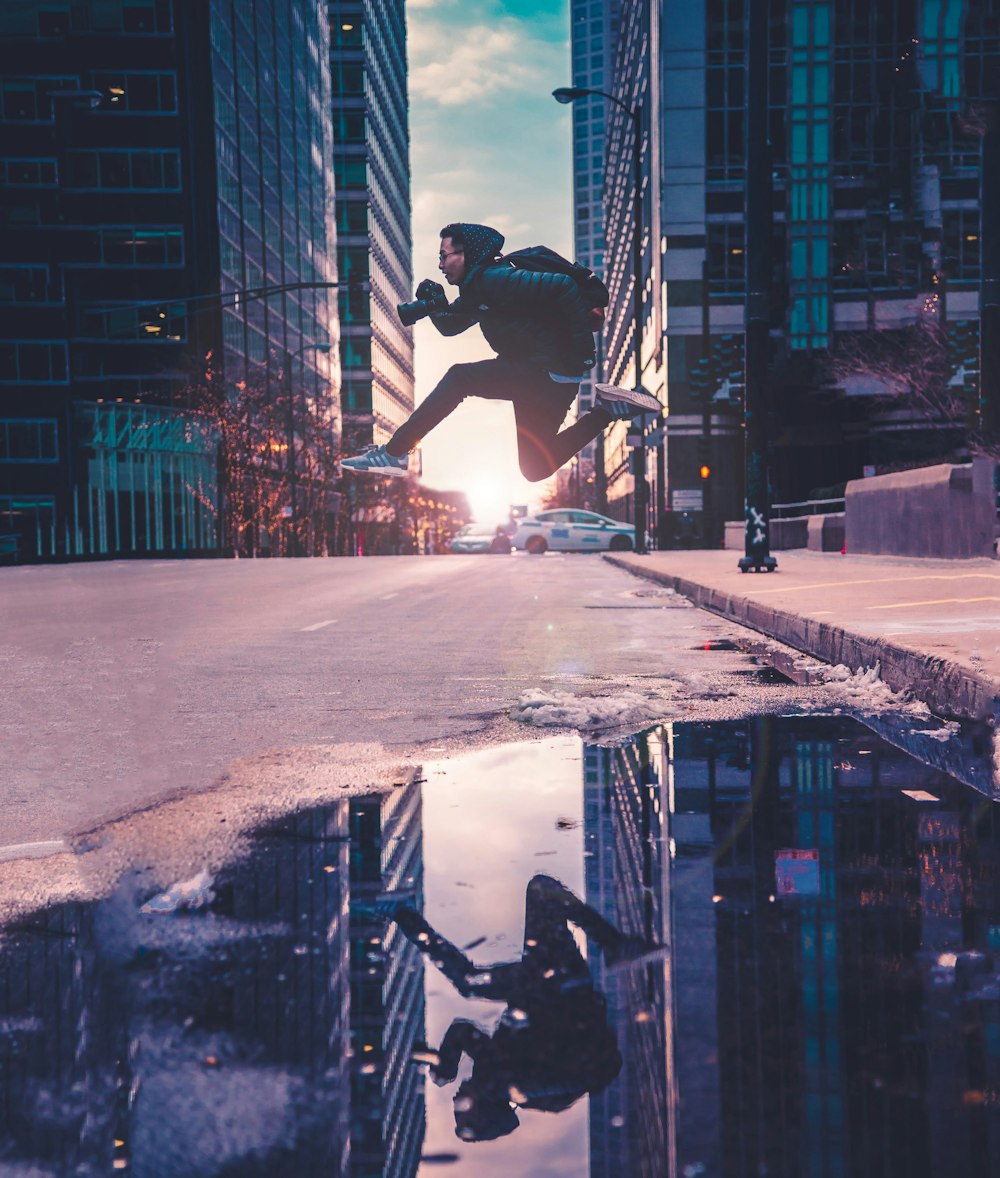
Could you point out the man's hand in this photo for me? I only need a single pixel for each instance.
(432, 292)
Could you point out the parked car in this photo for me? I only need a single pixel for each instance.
(570, 530)
(480, 538)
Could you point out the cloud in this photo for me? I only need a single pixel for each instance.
(488, 144)
(479, 65)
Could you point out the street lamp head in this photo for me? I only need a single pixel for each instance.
(568, 94)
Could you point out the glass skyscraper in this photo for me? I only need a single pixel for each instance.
(159, 161)
(877, 114)
(372, 167)
(594, 32)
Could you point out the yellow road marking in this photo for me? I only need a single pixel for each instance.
(881, 581)
(939, 601)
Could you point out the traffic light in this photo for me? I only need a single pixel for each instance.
(728, 356)
(702, 377)
(703, 457)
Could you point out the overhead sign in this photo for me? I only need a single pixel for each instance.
(688, 500)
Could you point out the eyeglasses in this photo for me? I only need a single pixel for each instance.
(450, 254)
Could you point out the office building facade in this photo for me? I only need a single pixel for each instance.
(164, 167)
(634, 126)
(594, 34)
(876, 121)
(372, 168)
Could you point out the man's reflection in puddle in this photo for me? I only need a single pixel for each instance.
(553, 1043)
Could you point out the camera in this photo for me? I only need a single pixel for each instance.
(430, 299)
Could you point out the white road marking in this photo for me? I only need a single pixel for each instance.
(389, 596)
(319, 625)
(33, 850)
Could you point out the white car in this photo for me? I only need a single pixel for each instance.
(477, 538)
(569, 530)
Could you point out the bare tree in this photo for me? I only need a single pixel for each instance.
(912, 366)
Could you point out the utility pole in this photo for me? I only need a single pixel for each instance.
(641, 495)
(707, 513)
(564, 95)
(758, 282)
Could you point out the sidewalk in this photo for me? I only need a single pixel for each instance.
(932, 625)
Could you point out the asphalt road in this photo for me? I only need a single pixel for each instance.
(125, 682)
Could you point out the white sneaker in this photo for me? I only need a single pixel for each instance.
(376, 460)
(623, 404)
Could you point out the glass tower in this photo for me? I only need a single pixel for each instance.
(160, 163)
(877, 113)
(372, 165)
(594, 33)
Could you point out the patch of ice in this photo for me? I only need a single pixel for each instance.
(188, 895)
(864, 691)
(947, 730)
(559, 709)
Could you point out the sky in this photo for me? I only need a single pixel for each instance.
(488, 144)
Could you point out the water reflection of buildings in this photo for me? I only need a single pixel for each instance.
(624, 878)
(855, 1030)
(387, 988)
(217, 1041)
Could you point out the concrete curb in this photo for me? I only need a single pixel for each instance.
(947, 687)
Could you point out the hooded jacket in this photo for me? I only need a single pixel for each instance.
(538, 318)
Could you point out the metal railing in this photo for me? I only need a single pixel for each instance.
(806, 507)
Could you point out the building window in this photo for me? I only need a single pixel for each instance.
(27, 439)
(137, 92)
(960, 234)
(40, 362)
(28, 173)
(135, 171)
(346, 33)
(348, 78)
(726, 261)
(354, 264)
(350, 173)
(151, 17)
(349, 126)
(26, 100)
(24, 284)
(352, 216)
(129, 246)
(356, 353)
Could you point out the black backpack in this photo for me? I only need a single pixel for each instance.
(539, 259)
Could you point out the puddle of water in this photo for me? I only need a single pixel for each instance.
(829, 986)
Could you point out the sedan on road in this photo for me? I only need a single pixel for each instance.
(570, 530)
(480, 538)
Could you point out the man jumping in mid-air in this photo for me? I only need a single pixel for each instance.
(541, 325)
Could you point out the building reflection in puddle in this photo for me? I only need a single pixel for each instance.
(829, 1002)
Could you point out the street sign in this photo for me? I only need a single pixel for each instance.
(796, 872)
(687, 500)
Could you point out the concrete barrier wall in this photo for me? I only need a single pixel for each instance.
(823, 533)
(826, 532)
(943, 511)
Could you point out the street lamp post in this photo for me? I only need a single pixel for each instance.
(757, 511)
(294, 547)
(565, 95)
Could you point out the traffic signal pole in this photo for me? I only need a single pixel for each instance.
(758, 281)
(707, 514)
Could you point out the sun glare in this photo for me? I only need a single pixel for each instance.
(491, 497)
